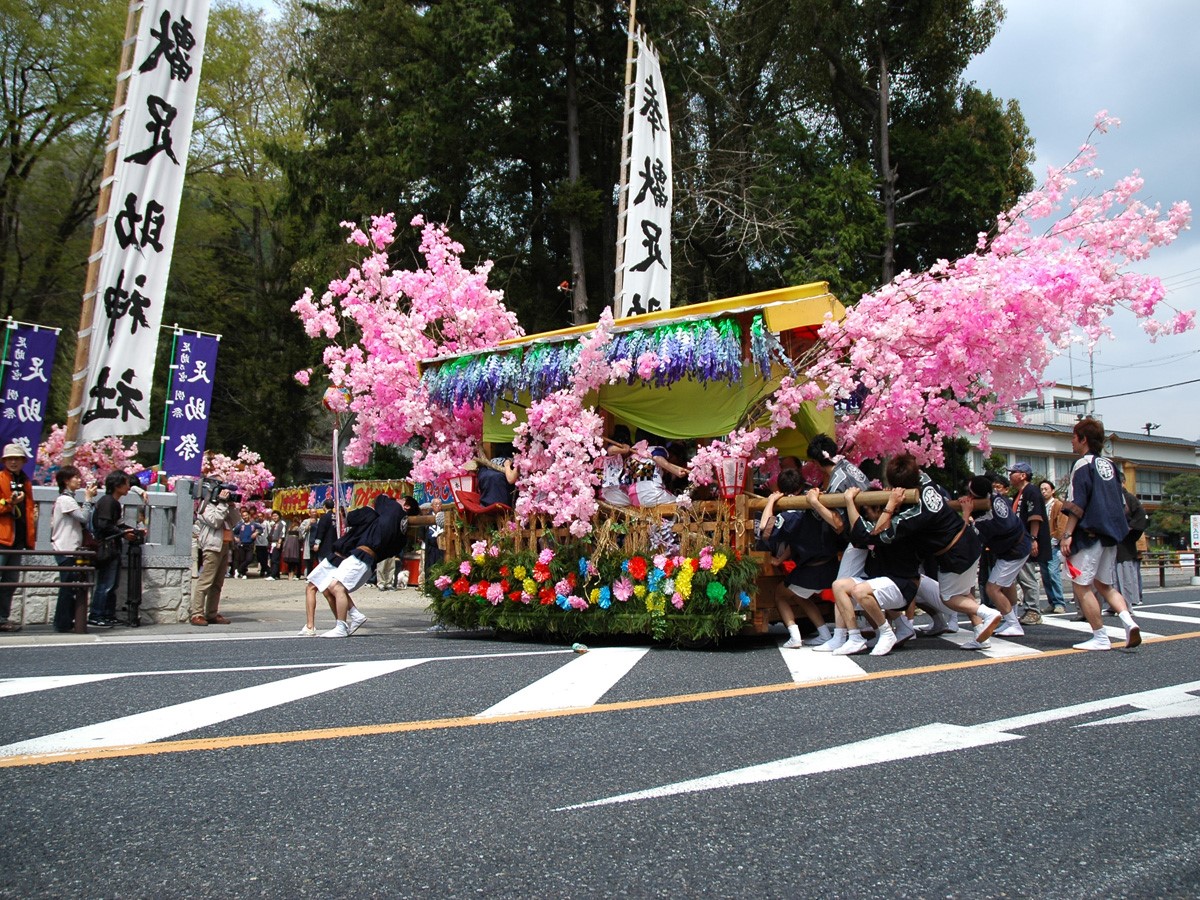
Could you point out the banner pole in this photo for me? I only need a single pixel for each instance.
(337, 477)
(9, 325)
(83, 344)
(171, 369)
(623, 187)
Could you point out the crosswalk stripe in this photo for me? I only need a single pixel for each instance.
(192, 715)
(808, 667)
(581, 682)
(13, 687)
(998, 648)
(1115, 632)
(1167, 617)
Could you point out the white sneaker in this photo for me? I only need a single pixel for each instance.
(991, 621)
(1133, 636)
(307, 631)
(976, 645)
(355, 622)
(852, 646)
(1095, 642)
(338, 630)
(1009, 628)
(904, 630)
(792, 643)
(270, 578)
(831, 645)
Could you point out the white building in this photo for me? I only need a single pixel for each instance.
(1043, 439)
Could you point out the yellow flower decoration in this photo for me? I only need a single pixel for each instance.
(655, 603)
(639, 591)
(594, 596)
(479, 559)
(520, 573)
(718, 562)
(529, 586)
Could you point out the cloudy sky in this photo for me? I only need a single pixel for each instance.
(1064, 60)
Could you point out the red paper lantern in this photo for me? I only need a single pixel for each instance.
(463, 483)
(731, 476)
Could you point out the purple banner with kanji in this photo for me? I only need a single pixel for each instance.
(189, 403)
(26, 387)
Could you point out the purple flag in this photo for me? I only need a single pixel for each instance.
(188, 406)
(26, 387)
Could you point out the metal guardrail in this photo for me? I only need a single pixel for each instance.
(1170, 560)
(84, 565)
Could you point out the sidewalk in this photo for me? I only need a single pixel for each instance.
(255, 606)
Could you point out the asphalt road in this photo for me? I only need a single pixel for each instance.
(400, 762)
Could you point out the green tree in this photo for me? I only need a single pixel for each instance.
(1181, 501)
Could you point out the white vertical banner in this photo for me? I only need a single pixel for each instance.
(646, 285)
(139, 233)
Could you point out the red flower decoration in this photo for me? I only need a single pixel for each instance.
(461, 586)
(504, 570)
(637, 568)
(541, 572)
(788, 566)
(668, 567)
(515, 596)
(546, 596)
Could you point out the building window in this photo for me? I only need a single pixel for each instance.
(1039, 464)
(1150, 483)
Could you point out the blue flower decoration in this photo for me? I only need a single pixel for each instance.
(744, 599)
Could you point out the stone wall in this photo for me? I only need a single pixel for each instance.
(166, 559)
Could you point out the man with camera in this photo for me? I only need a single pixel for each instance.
(216, 516)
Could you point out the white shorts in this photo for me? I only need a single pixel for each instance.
(958, 584)
(1005, 571)
(352, 573)
(649, 493)
(853, 564)
(1096, 563)
(615, 494)
(804, 592)
(887, 594)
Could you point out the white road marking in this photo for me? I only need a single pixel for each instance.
(143, 728)
(998, 648)
(1115, 632)
(926, 740)
(12, 687)
(581, 682)
(1165, 617)
(808, 666)
(169, 721)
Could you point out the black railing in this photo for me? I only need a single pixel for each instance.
(84, 565)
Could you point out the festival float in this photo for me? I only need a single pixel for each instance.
(561, 562)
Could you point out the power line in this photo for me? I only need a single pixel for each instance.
(1162, 387)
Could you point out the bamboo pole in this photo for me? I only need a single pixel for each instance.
(83, 344)
(623, 187)
(838, 501)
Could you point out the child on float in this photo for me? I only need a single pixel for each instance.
(1002, 532)
(802, 538)
(645, 465)
(614, 476)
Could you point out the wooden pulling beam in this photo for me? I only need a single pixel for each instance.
(838, 501)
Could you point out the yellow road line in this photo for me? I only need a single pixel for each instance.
(325, 734)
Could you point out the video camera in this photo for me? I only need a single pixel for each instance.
(211, 488)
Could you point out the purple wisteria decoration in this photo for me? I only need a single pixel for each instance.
(707, 351)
